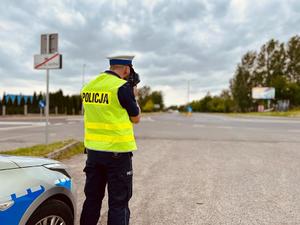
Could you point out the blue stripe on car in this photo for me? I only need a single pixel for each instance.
(66, 183)
(13, 215)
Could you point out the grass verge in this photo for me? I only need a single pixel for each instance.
(43, 150)
(73, 151)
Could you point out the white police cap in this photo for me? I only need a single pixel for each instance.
(121, 60)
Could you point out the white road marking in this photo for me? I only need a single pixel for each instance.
(58, 124)
(198, 125)
(20, 123)
(71, 122)
(75, 119)
(224, 127)
(20, 127)
(16, 125)
(294, 131)
(14, 137)
(148, 119)
(253, 128)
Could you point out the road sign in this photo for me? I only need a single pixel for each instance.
(189, 109)
(49, 43)
(48, 61)
(42, 104)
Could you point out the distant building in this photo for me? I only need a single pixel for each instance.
(17, 98)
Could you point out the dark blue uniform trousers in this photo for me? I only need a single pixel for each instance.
(115, 170)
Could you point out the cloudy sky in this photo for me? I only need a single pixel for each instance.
(174, 40)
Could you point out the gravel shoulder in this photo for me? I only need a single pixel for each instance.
(209, 182)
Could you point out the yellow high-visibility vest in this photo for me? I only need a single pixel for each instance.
(107, 125)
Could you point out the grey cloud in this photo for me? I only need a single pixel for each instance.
(176, 40)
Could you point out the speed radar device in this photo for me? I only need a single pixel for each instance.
(133, 78)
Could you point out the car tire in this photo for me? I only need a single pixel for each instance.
(52, 210)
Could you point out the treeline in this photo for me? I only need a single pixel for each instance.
(222, 103)
(275, 65)
(59, 103)
(150, 101)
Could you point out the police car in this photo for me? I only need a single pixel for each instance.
(35, 191)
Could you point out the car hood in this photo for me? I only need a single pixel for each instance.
(11, 162)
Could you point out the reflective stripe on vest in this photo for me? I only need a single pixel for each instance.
(107, 124)
(108, 138)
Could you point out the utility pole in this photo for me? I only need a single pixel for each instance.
(188, 92)
(83, 81)
(83, 74)
(188, 105)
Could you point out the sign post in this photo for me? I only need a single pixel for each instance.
(47, 106)
(48, 59)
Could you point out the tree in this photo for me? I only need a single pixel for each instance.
(149, 106)
(34, 106)
(293, 92)
(21, 105)
(293, 59)
(143, 95)
(9, 106)
(242, 83)
(157, 99)
(270, 63)
(204, 103)
(3, 100)
(228, 101)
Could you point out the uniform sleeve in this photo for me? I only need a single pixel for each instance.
(127, 100)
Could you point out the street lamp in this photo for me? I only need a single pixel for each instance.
(83, 74)
(83, 81)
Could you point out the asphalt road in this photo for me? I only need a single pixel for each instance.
(19, 131)
(204, 169)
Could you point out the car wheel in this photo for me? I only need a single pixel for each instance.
(52, 212)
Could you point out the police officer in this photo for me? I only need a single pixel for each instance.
(110, 111)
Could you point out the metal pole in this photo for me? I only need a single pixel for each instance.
(188, 92)
(83, 80)
(47, 107)
(47, 97)
(83, 74)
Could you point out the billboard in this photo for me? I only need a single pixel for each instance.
(263, 93)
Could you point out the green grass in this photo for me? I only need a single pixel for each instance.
(43, 150)
(291, 113)
(73, 151)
